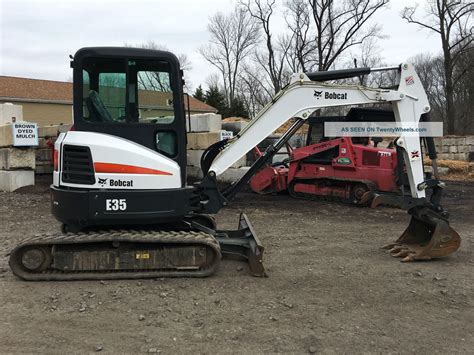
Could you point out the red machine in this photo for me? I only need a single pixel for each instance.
(343, 168)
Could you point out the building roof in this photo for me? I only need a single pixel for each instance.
(17, 89)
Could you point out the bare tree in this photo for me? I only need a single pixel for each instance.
(320, 32)
(368, 55)
(213, 79)
(302, 54)
(273, 59)
(430, 70)
(253, 93)
(464, 91)
(341, 25)
(232, 38)
(451, 19)
(160, 81)
(184, 61)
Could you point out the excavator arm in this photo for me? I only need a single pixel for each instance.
(303, 96)
(306, 93)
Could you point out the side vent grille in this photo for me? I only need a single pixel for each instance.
(77, 166)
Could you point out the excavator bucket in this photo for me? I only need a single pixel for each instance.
(428, 236)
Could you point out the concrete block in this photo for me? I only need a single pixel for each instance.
(449, 141)
(441, 170)
(14, 179)
(469, 140)
(202, 140)
(64, 127)
(44, 168)
(470, 148)
(453, 149)
(6, 136)
(194, 159)
(230, 175)
(463, 148)
(17, 158)
(43, 142)
(194, 172)
(460, 141)
(234, 127)
(206, 122)
(461, 156)
(48, 131)
(10, 113)
(44, 154)
(445, 149)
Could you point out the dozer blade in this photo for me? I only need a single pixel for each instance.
(243, 243)
(428, 236)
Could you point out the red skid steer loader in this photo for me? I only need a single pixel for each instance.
(347, 169)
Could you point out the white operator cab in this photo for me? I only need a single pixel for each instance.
(125, 158)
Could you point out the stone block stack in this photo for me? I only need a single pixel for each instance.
(234, 124)
(455, 148)
(44, 153)
(17, 164)
(16, 167)
(204, 130)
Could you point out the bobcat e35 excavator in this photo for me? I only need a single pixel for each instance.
(119, 184)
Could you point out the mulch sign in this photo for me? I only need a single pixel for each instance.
(25, 134)
(226, 135)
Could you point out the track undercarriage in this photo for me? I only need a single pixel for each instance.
(192, 250)
(344, 191)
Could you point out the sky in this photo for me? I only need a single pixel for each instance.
(37, 36)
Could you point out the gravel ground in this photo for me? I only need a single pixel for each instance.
(330, 289)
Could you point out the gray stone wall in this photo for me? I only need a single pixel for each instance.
(455, 148)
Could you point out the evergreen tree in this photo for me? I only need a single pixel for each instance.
(199, 93)
(237, 108)
(216, 98)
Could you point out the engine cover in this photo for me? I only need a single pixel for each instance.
(102, 161)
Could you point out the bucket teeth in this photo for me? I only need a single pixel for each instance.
(428, 236)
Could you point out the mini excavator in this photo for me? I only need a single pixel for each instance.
(119, 181)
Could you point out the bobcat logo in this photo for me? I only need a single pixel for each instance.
(415, 154)
(318, 94)
(102, 182)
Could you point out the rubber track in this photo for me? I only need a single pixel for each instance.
(137, 236)
(313, 197)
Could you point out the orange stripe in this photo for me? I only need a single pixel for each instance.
(126, 169)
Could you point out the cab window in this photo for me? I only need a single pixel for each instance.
(127, 91)
(155, 97)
